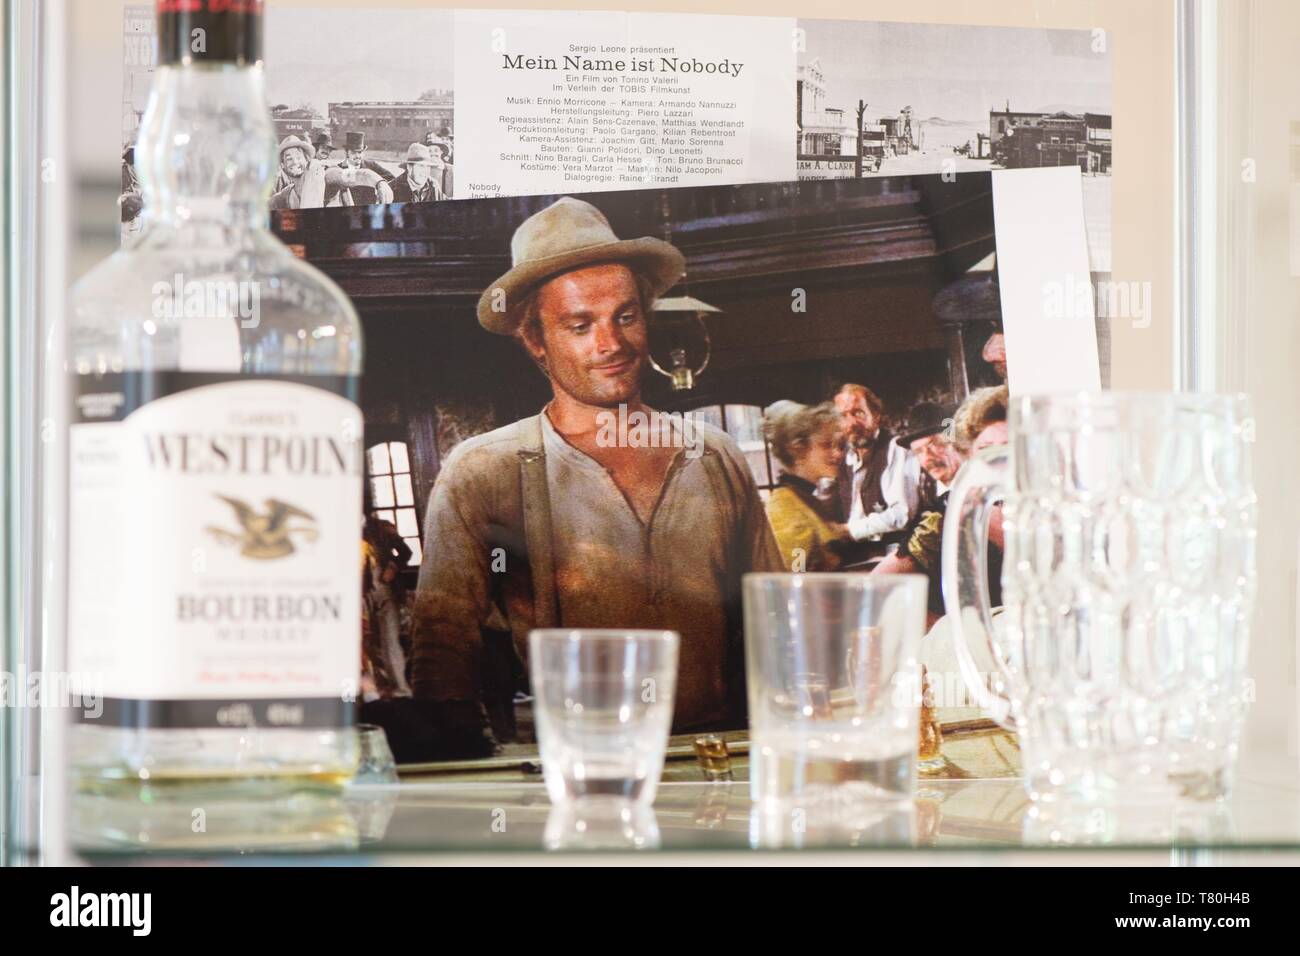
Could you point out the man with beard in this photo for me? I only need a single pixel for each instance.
(941, 442)
(416, 184)
(548, 522)
(877, 491)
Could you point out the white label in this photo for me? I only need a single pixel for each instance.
(215, 545)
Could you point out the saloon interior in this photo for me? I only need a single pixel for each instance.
(888, 282)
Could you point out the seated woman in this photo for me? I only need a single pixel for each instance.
(806, 440)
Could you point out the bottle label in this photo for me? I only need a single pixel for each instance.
(215, 548)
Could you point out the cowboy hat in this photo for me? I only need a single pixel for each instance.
(295, 142)
(567, 235)
(418, 153)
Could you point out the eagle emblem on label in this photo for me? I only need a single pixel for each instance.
(269, 534)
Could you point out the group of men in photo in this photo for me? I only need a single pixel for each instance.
(311, 173)
(311, 176)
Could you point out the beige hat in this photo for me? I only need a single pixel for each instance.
(567, 235)
(295, 142)
(418, 153)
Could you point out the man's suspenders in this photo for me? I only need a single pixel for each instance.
(537, 524)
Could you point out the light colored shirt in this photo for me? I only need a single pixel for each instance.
(677, 572)
(900, 493)
(680, 570)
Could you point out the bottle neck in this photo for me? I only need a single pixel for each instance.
(205, 155)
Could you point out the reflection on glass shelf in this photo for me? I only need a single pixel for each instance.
(830, 824)
(217, 823)
(212, 821)
(415, 817)
(601, 825)
(976, 802)
(1192, 824)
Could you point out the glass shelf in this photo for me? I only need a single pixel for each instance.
(459, 814)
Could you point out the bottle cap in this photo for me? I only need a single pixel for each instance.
(209, 31)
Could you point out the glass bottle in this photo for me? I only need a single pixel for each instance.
(215, 455)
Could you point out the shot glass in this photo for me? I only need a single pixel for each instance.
(834, 688)
(375, 765)
(603, 706)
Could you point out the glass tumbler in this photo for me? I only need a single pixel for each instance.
(603, 706)
(834, 687)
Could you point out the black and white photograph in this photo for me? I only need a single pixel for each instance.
(361, 99)
(886, 99)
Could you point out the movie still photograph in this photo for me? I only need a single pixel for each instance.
(604, 410)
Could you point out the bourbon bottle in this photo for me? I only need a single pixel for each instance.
(215, 455)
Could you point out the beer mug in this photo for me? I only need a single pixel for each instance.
(1128, 577)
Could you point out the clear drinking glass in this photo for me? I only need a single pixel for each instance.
(376, 764)
(1128, 578)
(834, 687)
(603, 705)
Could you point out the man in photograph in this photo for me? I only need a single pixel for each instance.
(995, 354)
(302, 176)
(942, 440)
(386, 555)
(131, 206)
(309, 183)
(417, 182)
(877, 490)
(440, 149)
(547, 522)
(928, 436)
(323, 144)
(354, 158)
(130, 179)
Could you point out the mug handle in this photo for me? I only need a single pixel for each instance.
(981, 484)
